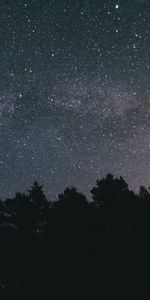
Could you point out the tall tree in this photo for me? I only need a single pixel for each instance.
(109, 191)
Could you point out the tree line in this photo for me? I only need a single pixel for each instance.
(51, 247)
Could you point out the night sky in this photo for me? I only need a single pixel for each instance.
(74, 93)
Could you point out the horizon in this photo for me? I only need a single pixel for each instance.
(74, 93)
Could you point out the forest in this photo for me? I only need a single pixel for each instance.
(73, 247)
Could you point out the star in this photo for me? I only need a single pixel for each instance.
(74, 94)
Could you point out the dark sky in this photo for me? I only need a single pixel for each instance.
(74, 93)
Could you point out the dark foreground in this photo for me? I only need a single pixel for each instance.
(71, 248)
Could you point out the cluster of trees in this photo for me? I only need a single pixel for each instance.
(48, 246)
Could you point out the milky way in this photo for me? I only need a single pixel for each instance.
(74, 93)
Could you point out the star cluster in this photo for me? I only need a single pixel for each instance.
(74, 93)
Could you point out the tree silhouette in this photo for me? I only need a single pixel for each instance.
(109, 196)
(144, 193)
(71, 202)
(39, 205)
(42, 241)
(28, 211)
(109, 191)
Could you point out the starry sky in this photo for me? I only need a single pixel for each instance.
(74, 93)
